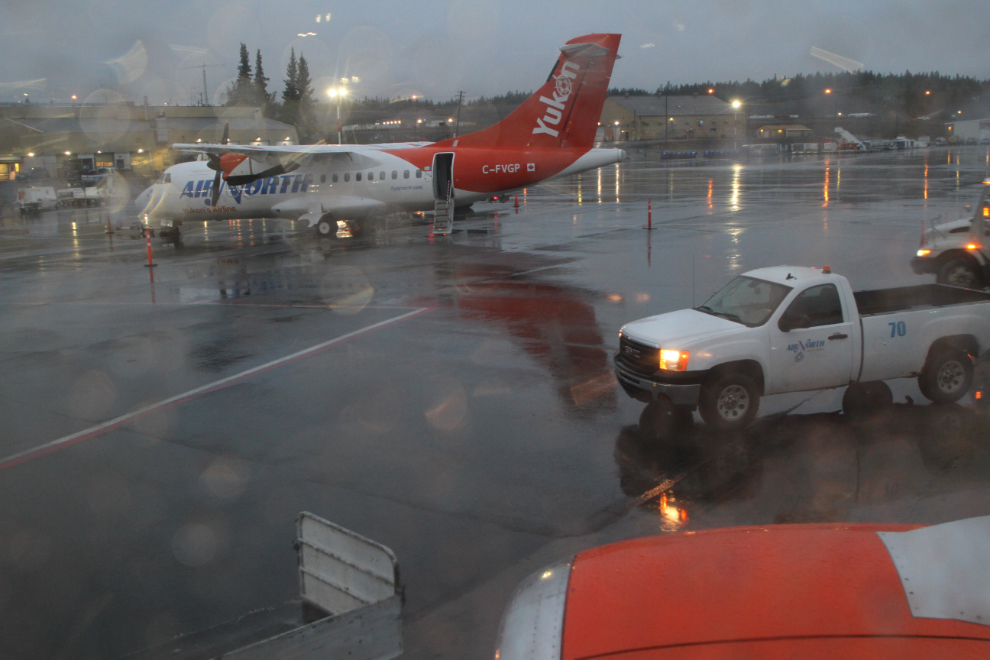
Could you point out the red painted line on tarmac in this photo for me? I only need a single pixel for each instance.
(123, 420)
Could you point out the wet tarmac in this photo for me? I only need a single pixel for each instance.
(450, 397)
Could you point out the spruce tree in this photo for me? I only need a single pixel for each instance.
(291, 92)
(264, 99)
(241, 91)
(290, 95)
(244, 68)
(304, 115)
(303, 82)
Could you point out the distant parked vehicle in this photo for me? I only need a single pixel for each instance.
(34, 174)
(96, 176)
(77, 197)
(33, 200)
(970, 142)
(940, 142)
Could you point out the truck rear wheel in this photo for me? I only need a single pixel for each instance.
(729, 402)
(947, 376)
(960, 272)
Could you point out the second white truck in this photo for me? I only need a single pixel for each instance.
(795, 329)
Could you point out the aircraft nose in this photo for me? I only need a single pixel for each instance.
(143, 199)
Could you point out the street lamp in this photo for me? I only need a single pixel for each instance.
(338, 93)
(735, 123)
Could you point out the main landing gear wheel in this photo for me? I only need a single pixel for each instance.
(960, 272)
(326, 227)
(947, 376)
(729, 402)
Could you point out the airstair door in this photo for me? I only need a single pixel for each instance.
(443, 176)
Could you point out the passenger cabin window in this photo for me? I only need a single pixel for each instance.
(419, 174)
(394, 174)
(405, 175)
(323, 178)
(820, 304)
(347, 176)
(357, 177)
(381, 176)
(336, 178)
(371, 176)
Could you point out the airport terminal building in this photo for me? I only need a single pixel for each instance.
(63, 139)
(627, 118)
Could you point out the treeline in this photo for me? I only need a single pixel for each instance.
(296, 106)
(910, 94)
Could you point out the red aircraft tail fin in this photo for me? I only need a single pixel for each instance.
(565, 111)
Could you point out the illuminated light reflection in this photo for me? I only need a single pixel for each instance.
(826, 186)
(616, 182)
(579, 190)
(614, 297)
(710, 190)
(734, 198)
(672, 516)
(599, 185)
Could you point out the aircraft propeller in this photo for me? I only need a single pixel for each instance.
(214, 164)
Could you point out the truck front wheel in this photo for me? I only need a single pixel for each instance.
(947, 376)
(729, 402)
(960, 272)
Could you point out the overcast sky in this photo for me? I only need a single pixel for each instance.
(433, 48)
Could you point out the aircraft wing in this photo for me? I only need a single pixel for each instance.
(299, 154)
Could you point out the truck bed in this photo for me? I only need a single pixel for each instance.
(923, 296)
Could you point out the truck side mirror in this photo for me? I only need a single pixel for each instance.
(790, 322)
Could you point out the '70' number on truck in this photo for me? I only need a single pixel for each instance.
(898, 329)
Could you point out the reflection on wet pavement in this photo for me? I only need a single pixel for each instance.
(478, 438)
(812, 468)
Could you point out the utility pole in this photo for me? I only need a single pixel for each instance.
(205, 98)
(460, 99)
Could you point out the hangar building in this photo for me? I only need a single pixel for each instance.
(673, 117)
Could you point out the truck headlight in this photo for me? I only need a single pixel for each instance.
(671, 360)
(924, 253)
(533, 624)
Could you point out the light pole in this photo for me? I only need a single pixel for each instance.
(735, 123)
(338, 93)
(828, 92)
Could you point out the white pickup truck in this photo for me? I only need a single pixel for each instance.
(795, 329)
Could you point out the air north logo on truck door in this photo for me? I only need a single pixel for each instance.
(555, 106)
(801, 347)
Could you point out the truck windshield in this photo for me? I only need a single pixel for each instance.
(746, 300)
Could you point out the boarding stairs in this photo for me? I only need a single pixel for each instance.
(850, 139)
(443, 218)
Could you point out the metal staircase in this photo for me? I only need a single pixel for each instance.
(443, 219)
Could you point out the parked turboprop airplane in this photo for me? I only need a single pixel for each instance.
(550, 134)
